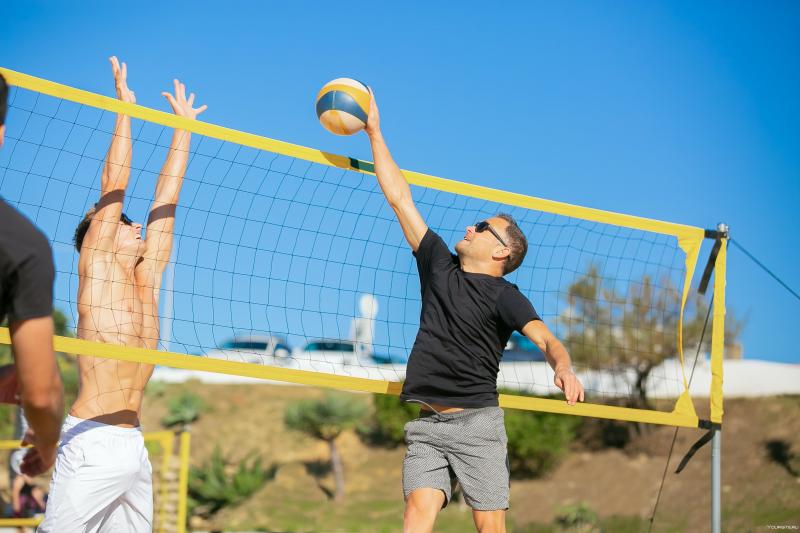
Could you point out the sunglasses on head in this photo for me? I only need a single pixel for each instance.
(482, 226)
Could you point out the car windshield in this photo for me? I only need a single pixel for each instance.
(329, 347)
(245, 345)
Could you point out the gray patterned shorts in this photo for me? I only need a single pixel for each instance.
(468, 446)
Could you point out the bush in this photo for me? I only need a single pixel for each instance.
(536, 441)
(183, 409)
(214, 485)
(578, 517)
(325, 418)
(390, 415)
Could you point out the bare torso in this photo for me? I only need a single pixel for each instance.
(114, 307)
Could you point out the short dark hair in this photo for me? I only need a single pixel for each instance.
(3, 99)
(516, 242)
(83, 226)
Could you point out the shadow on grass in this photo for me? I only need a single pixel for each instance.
(318, 470)
(780, 452)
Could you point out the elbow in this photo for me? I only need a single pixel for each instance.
(44, 399)
(398, 200)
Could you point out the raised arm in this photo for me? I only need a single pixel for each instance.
(161, 221)
(392, 182)
(558, 357)
(116, 172)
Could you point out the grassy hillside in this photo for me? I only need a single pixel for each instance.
(619, 485)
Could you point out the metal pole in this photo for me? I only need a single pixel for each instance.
(716, 481)
(716, 454)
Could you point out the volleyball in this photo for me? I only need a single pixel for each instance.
(343, 105)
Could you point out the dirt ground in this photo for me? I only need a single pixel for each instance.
(757, 491)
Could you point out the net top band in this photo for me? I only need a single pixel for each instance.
(681, 231)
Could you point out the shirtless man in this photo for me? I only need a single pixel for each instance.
(102, 480)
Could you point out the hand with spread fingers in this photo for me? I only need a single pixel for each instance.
(181, 105)
(121, 81)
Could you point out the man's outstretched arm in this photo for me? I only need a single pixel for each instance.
(161, 221)
(116, 171)
(558, 357)
(393, 183)
(40, 388)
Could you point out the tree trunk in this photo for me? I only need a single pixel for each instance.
(338, 472)
(642, 373)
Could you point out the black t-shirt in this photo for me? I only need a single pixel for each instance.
(465, 323)
(26, 268)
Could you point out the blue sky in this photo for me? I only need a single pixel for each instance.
(678, 111)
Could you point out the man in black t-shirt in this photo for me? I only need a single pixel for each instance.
(468, 314)
(26, 300)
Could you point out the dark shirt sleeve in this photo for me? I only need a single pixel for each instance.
(515, 309)
(432, 252)
(27, 286)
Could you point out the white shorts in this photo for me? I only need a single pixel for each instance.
(102, 481)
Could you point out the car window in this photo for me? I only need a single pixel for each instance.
(329, 347)
(245, 345)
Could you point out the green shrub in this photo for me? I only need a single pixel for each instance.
(183, 409)
(156, 389)
(537, 440)
(390, 415)
(215, 485)
(576, 516)
(325, 418)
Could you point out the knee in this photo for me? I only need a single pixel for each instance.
(490, 521)
(422, 506)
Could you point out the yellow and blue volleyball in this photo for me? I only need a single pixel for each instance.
(343, 105)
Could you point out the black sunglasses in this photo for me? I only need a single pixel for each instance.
(125, 220)
(482, 226)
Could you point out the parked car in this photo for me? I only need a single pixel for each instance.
(327, 351)
(521, 348)
(259, 349)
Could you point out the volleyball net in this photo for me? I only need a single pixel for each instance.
(289, 265)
